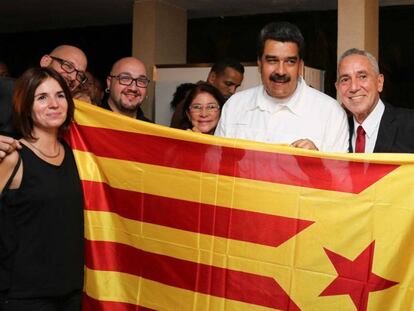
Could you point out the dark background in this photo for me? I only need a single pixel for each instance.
(212, 38)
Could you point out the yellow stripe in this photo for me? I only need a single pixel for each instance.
(106, 119)
(201, 248)
(244, 194)
(123, 287)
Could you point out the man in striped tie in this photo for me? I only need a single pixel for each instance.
(375, 126)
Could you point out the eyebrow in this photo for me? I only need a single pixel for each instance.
(358, 72)
(130, 75)
(267, 57)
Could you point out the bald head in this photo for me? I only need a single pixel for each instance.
(128, 64)
(69, 61)
(126, 99)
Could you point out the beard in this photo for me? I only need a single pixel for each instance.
(127, 107)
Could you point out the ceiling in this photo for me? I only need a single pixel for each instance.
(29, 15)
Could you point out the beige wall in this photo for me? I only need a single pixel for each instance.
(159, 37)
(358, 25)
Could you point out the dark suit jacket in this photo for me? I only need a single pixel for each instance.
(6, 107)
(396, 131)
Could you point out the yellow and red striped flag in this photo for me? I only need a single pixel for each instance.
(176, 220)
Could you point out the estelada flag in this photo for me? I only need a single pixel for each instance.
(176, 220)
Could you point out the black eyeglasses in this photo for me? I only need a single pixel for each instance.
(141, 81)
(69, 68)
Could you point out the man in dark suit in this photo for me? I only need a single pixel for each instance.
(374, 126)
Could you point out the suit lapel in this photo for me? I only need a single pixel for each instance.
(351, 133)
(387, 131)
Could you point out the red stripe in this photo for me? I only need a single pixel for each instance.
(327, 174)
(208, 219)
(90, 304)
(209, 280)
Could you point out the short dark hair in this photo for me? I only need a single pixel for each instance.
(23, 99)
(200, 88)
(181, 93)
(283, 32)
(220, 66)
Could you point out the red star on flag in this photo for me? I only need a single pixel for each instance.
(355, 277)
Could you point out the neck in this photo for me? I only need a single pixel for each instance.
(47, 140)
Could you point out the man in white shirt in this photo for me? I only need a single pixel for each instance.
(284, 109)
(374, 126)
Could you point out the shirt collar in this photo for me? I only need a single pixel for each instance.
(270, 104)
(371, 123)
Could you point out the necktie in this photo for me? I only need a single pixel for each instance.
(360, 140)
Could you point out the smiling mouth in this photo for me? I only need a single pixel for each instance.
(356, 97)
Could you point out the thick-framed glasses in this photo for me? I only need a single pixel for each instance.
(197, 108)
(141, 81)
(69, 68)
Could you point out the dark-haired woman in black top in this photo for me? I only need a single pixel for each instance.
(44, 204)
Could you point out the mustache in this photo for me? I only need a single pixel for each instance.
(279, 78)
(133, 92)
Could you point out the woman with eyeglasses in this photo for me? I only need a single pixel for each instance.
(41, 231)
(202, 109)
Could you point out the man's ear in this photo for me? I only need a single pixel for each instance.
(108, 82)
(45, 61)
(211, 77)
(301, 68)
(380, 82)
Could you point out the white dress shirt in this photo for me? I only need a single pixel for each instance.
(254, 115)
(371, 126)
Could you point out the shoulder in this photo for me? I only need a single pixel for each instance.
(242, 99)
(403, 116)
(323, 103)
(319, 96)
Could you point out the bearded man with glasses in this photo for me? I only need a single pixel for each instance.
(127, 88)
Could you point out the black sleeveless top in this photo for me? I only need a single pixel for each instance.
(47, 212)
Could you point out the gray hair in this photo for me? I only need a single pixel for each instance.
(355, 51)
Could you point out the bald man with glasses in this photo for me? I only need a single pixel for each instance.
(69, 61)
(127, 88)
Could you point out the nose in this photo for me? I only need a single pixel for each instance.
(53, 103)
(204, 112)
(354, 85)
(232, 89)
(133, 85)
(280, 68)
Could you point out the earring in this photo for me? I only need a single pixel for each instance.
(107, 91)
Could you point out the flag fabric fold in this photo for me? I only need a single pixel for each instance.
(176, 220)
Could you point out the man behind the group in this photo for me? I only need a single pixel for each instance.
(69, 61)
(284, 109)
(226, 75)
(374, 126)
(127, 87)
